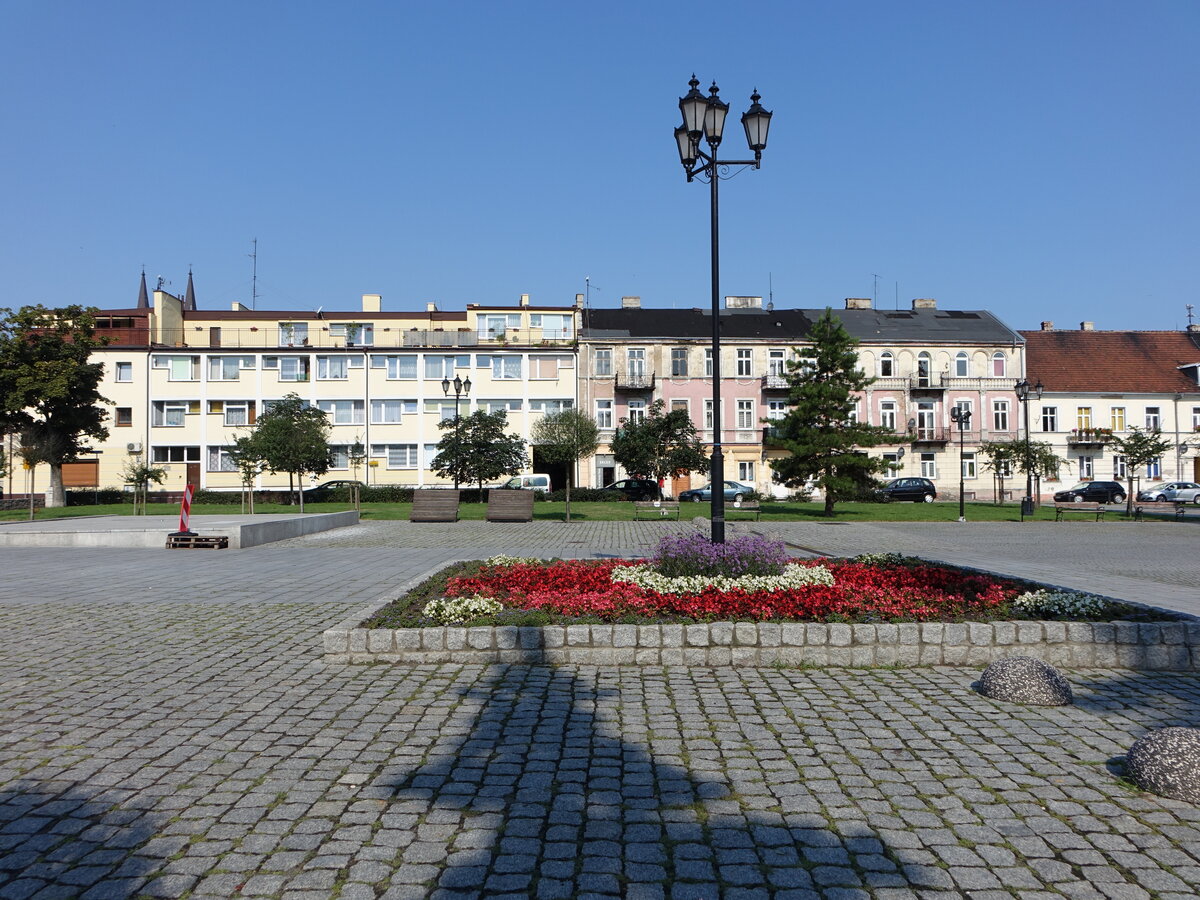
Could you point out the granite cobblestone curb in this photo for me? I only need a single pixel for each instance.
(1120, 644)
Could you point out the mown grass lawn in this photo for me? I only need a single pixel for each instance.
(595, 512)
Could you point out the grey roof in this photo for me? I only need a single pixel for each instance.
(870, 325)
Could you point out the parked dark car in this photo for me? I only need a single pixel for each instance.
(1092, 492)
(325, 490)
(734, 490)
(636, 488)
(918, 490)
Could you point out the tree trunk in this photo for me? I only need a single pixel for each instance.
(569, 467)
(1129, 493)
(56, 497)
(828, 503)
(299, 491)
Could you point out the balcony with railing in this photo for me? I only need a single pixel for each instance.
(634, 381)
(775, 383)
(929, 434)
(920, 383)
(1089, 436)
(381, 338)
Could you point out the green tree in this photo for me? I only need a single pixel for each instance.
(824, 443)
(49, 390)
(660, 446)
(1139, 448)
(293, 437)
(250, 464)
(141, 475)
(1035, 458)
(567, 437)
(475, 449)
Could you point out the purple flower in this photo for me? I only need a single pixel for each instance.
(695, 554)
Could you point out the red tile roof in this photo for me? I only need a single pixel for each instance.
(1112, 361)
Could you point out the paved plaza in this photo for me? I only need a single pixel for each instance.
(168, 729)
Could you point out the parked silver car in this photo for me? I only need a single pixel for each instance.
(1184, 495)
(1159, 491)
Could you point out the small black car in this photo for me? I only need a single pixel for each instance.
(636, 488)
(918, 490)
(1092, 492)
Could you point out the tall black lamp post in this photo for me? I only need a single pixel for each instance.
(461, 389)
(962, 417)
(704, 117)
(1024, 389)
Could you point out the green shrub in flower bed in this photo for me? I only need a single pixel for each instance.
(747, 579)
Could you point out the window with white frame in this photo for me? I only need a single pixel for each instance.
(353, 333)
(1004, 469)
(1083, 418)
(1086, 467)
(224, 368)
(924, 369)
(1117, 419)
(293, 334)
(745, 414)
(929, 465)
(339, 456)
(175, 454)
(635, 362)
(604, 414)
(445, 410)
(429, 454)
(708, 362)
(1153, 418)
(293, 368)
(892, 458)
(969, 467)
(168, 413)
(708, 415)
(1154, 469)
(962, 364)
(179, 368)
(852, 415)
(399, 456)
(999, 365)
(679, 362)
(550, 407)
(745, 366)
(494, 325)
(776, 363)
(332, 368)
(342, 412)
(439, 367)
(399, 368)
(1120, 469)
(1000, 415)
(555, 326)
(637, 411)
(746, 472)
(1049, 418)
(497, 404)
(506, 368)
(548, 367)
(887, 364)
(887, 414)
(237, 412)
(776, 409)
(602, 361)
(390, 412)
(1196, 418)
(124, 371)
(220, 460)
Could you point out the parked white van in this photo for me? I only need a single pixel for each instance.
(534, 482)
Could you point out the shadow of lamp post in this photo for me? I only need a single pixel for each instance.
(461, 389)
(704, 117)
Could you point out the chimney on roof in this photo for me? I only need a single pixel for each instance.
(924, 303)
(372, 302)
(524, 299)
(1087, 326)
(1193, 327)
(238, 306)
(579, 301)
(631, 303)
(743, 302)
(1047, 326)
(430, 306)
(858, 303)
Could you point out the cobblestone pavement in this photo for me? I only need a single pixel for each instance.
(167, 730)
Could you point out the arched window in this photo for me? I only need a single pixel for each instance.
(961, 364)
(887, 364)
(999, 364)
(924, 369)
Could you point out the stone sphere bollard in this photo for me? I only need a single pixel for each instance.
(1023, 679)
(1167, 763)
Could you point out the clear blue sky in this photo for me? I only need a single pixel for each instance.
(1039, 159)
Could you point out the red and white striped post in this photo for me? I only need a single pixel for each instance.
(185, 511)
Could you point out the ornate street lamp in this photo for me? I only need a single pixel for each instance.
(704, 118)
(461, 389)
(961, 416)
(1024, 389)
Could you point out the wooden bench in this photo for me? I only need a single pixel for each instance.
(510, 506)
(655, 509)
(749, 506)
(1089, 508)
(1179, 507)
(434, 505)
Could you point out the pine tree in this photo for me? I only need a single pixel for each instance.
(825, 445)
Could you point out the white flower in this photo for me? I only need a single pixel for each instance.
(1061, 603)
(503, 560)
(450, 610)
(793, 576)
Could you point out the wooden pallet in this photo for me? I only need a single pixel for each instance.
(197, 542)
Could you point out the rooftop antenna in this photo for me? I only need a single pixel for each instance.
(770, 293)
(254, 274)
(897, 301)
(875, 294)
(1190, 315)
(587, 291)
